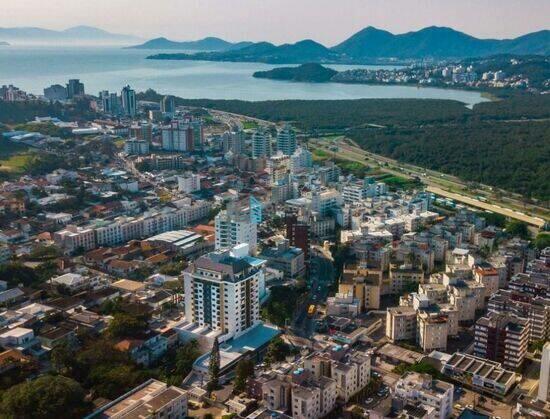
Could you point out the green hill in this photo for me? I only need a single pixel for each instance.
(306, 72)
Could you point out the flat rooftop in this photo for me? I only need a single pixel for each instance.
(401, 354)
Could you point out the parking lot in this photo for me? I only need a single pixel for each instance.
(469, 399)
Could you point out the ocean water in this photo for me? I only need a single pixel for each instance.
(111, 68)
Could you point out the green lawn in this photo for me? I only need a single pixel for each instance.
(248, 124)
(15, 163)
(320, 155)
(13, 157)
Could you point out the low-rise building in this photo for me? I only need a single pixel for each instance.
(283, 257)
(152, 399)
(415, 387)
(483, 375)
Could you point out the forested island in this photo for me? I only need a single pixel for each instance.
(497, 72)
(311, 72)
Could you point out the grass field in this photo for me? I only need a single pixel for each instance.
(248, 124)
(15, 163)
(13, 157)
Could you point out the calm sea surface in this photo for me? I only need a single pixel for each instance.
(109, 68)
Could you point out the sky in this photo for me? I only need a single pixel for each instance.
(278, 21)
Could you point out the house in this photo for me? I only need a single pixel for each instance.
(158, 299)
(145, 348)
(50, 337)
(128, 286)
(18, 338)
(122, 267)
(87, 320)
(159, 279)
(11, 296)
(72, 282)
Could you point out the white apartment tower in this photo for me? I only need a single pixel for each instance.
(234, 227)
(544, 382)
(286, 141)
(301, 160)
(261, 144)
(178, 136)
(222, 291)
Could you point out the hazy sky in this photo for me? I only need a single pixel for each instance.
(327, 21)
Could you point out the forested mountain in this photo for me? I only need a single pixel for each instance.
(265, 52)
(372, 44)
(437, 42)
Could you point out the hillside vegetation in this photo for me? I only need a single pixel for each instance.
(306, 72)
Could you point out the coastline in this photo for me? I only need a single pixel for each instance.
(489, 96)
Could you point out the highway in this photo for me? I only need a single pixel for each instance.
(536, 221)
(437, 183)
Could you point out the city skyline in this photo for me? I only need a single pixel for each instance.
(254, 21)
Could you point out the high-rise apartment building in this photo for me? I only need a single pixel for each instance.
(235, 226)
(168, 105)
(110, 102)
(536, 309)
(261, 144)
(502, 337)
(74, 88)
(129, 103)
(234, 141)
(180, 135)
(286, 141)
(278, 167)
(298, 233)
(222, 291)
(544, 377)
(301, 160)
(142, 132)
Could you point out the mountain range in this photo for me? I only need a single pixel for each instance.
(74, 35)
(371, 44)
(206, 44)
(306, 51)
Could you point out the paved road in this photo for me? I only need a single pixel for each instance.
(321, 276)
(537, 222)
(358, 155)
